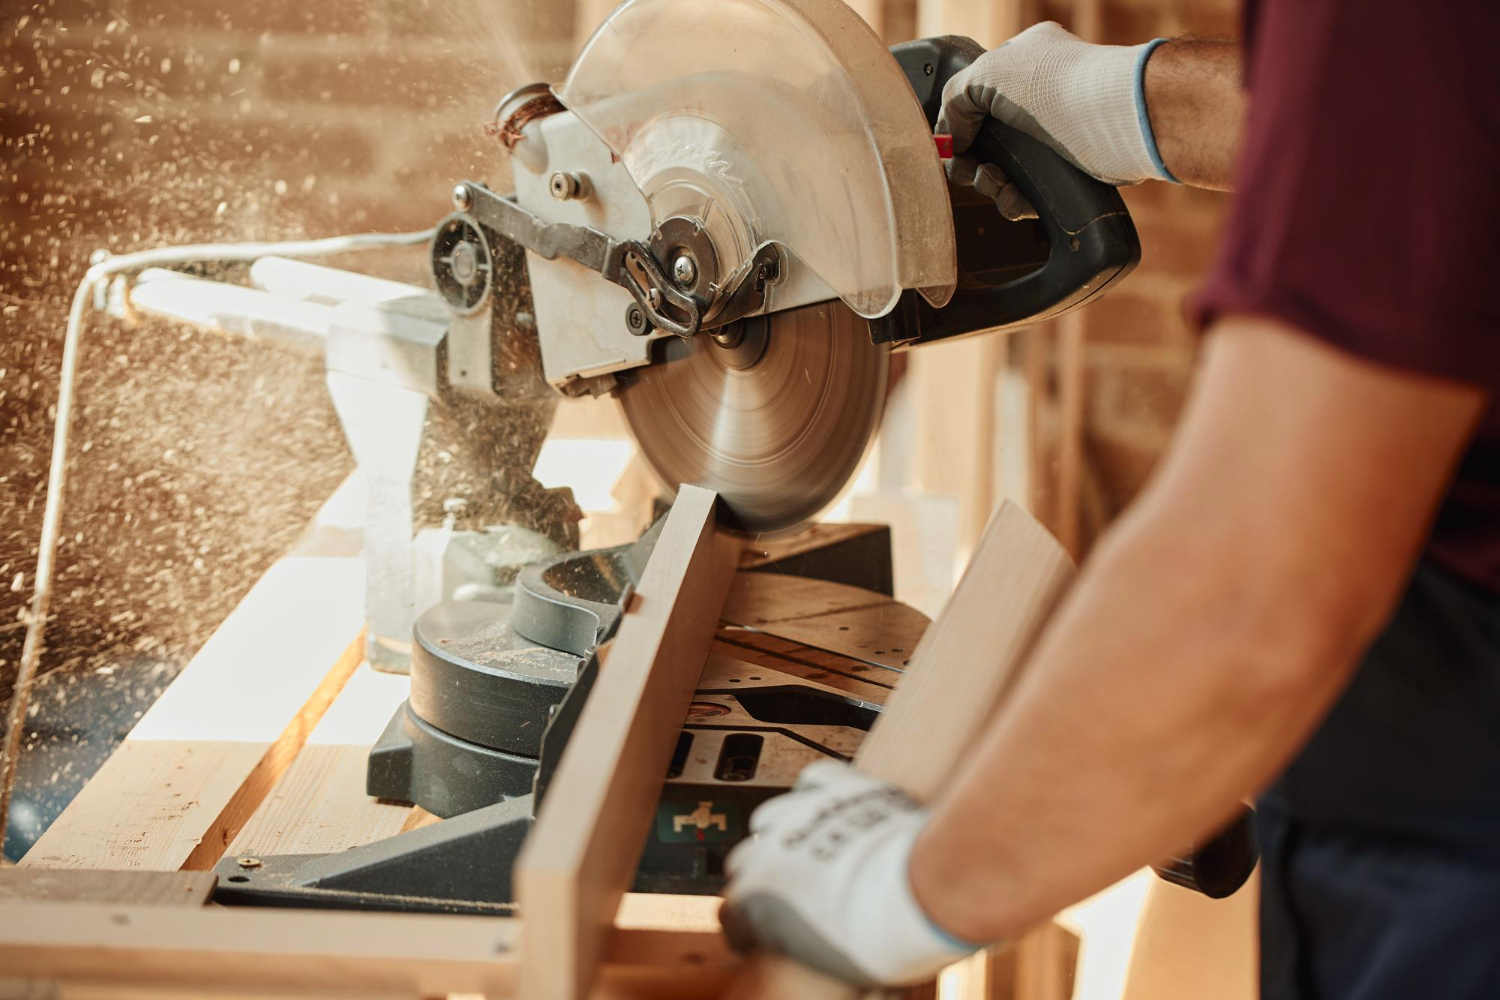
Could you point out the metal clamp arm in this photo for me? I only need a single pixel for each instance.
(628, 264)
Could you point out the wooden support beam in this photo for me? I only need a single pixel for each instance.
(580, 857)
(974, 649)
(306, 953)
(1189, 946)
(1066, 522)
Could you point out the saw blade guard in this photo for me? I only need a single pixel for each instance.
(775, 120)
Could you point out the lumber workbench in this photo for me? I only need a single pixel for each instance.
(259, 747)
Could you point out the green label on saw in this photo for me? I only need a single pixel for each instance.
(702, 820)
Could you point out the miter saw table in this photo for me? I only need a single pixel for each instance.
(799, 670)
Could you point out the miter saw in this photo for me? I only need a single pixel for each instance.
(728, 216)
(733, 212)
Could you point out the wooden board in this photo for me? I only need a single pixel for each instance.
(72, 885)
(319, 806)
(581, 855)
(304, 952)
(831, 616)
(1016, 577)
(198, 763)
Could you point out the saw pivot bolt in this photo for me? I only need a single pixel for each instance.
(462, 200)
(684, 270)
(565, 186)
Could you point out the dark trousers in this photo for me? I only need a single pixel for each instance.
(1381, 843)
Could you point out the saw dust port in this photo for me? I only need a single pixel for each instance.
(197, 458)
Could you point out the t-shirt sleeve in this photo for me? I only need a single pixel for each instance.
(1367, 205)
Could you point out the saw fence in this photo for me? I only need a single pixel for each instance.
(259, 747)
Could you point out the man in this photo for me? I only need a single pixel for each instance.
(1307, 587)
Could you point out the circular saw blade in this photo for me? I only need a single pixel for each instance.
(776, 423)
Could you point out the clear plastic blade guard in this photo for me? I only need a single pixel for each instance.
(784, 120)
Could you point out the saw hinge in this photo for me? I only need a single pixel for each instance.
(662, 304)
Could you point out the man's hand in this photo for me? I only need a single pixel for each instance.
(1086, 101)
(1122, 114)
(823, 880)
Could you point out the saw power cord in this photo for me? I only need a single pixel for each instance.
(36, 624)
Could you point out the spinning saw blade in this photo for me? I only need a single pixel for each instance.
(774, 412)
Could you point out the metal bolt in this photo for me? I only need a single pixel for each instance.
(249, 862)
(565, 186)
(684, 270)
(635, 320)
(653, 298)
(462, 199)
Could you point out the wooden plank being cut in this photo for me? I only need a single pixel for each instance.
(200, 760)
(831, 616)
(1015, 579)
(581, 855)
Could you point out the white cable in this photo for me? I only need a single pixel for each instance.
(36, 625)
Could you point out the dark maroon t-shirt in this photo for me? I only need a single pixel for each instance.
(1367, 208)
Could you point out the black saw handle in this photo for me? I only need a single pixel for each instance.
(1012, 273)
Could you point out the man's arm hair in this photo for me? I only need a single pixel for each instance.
(1208, 634)
(1196, 104)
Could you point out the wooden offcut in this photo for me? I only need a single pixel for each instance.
(580, 857)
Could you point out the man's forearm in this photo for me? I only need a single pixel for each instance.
(1147, 714)
(1196, 104)
(1207, 635)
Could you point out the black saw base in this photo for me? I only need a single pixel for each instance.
(496, 689)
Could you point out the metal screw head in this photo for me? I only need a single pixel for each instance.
(461, 197)
(248, 862)
(635, 320)
(563, 186)
(684, 270)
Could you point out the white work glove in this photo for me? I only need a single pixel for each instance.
(1086, 101)
(823, 879)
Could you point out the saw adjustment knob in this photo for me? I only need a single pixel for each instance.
(462, 265)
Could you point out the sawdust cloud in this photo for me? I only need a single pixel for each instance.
(197, 459)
